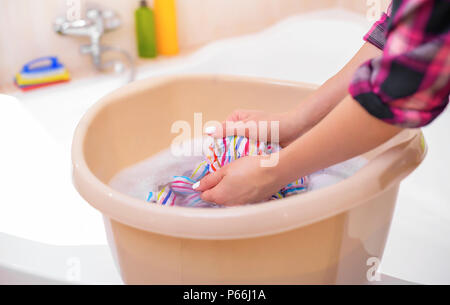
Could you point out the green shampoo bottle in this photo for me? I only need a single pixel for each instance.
(145, 31)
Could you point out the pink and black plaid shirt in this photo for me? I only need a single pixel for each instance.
(409, 84)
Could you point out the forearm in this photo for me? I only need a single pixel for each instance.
(346, 132)
(326, 97)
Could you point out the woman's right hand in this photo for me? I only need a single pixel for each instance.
(289, 125)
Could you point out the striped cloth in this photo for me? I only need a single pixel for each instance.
(218, 153)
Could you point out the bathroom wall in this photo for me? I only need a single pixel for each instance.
(26, 27)
(370, 8)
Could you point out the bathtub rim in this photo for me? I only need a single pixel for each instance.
(267, 218)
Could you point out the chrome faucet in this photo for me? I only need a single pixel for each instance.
(96, 24)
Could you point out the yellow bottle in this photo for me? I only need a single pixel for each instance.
(166, 27)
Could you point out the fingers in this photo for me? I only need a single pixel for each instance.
(247, 128)
(208, 181)
(216, 194)
(221, 195)
(233, 124)
(220, 132)
(211, 188)
(238, 115)
(212, 195)
(223, 131)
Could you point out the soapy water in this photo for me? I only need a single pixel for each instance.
(150, 174)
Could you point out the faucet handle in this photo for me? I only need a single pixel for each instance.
(58, 25)
(93, 14)
(61, 24)
(111, 20)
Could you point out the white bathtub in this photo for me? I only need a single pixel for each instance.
(297, 49)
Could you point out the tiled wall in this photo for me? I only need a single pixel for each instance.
(26, 27)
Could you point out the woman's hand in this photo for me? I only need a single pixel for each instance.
(242, 181)
(289, 126)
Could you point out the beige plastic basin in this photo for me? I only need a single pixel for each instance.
(333, 235)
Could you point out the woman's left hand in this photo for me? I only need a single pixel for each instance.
(240, 182)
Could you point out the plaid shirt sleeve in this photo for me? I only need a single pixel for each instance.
(377, 33)
(409, 84)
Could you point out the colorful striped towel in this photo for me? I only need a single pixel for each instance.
(219, 152)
